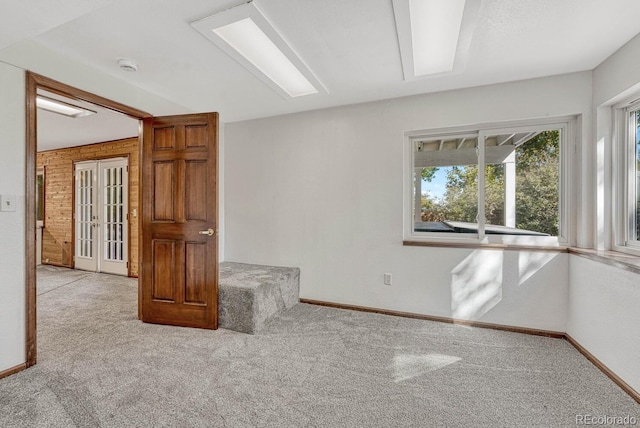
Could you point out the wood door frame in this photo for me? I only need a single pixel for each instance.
(33, 83)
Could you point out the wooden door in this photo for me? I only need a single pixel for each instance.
(179, 271)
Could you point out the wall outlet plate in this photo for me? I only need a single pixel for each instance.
(7, 203)
(387, 279)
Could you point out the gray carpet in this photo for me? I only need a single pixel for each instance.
(312, 367)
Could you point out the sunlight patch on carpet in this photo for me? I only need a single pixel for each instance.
(408, 366)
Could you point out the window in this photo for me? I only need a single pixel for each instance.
(634, 139)
(40, 197)
(628, 178)
(489, 184)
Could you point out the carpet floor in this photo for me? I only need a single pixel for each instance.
(98, 366)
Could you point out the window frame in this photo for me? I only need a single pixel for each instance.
(567, 126)
(625, 179)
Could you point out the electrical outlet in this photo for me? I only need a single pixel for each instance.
(387, 279)
(8, 203)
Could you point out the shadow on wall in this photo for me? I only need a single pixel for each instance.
(482, 279)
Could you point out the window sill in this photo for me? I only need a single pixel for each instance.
(486, 246)
(617, 259)
(620, 260)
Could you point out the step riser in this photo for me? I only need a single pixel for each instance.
(249, 296)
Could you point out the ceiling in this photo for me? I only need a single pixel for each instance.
(56, 131)
(350, 45)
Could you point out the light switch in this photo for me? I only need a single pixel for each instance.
(8, 203)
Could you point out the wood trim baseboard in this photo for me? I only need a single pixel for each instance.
(603, 368)
(57, 265)
(12, 370)
(466, 323)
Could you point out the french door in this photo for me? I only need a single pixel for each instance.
(101, 234)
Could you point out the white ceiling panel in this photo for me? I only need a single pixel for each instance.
(20, 19)
(351, 46)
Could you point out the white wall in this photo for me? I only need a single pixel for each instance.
(614, 81)
(603, 314)
(12, 231)
(618, 75)
(604, 317)
(322, 190)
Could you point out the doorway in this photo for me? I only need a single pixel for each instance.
(35, 84)
(101, 215)
(178, 179)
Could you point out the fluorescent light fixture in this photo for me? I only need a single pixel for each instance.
(61, 107)
(247, 38)
(434, 35)
(435, 25)
(245, 34)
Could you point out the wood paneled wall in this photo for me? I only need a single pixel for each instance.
(59, 184)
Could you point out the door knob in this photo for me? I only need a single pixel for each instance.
(208, 232)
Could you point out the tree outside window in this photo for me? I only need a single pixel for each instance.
(522, 181)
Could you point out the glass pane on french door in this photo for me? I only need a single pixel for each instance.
(85, 212)
(114, 219)
(85, 215)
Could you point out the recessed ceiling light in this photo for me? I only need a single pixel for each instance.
(245, 34)
(434, 35)
(61, 107)
(127, 65)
